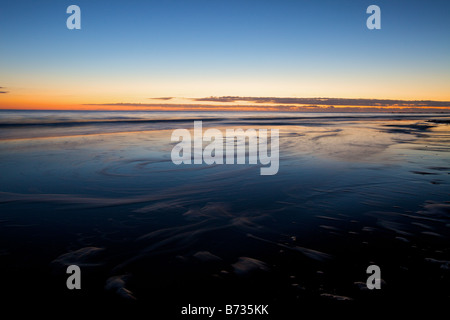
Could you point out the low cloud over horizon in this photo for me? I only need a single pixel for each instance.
(282, 104)
(329, 101)
(236, 103)
(164, 98)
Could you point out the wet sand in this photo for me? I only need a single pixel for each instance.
(352, 190)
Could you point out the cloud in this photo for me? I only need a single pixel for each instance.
(1, 91)
(263, 107)
(236, 103)
(329, 101)
(163, 98)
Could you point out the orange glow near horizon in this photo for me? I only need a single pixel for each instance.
(127, 103)
(93, 91)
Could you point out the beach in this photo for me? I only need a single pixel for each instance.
(98, 189)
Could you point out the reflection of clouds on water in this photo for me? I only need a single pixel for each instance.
(348, 143)
(335, 297)
(84, 257)
(445, 265)
(205, 256)
(209, 219)
(117, 284)
(310, 253)
(440, 210)
(434, 216)
(245, 265)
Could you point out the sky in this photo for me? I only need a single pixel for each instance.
(128, 53)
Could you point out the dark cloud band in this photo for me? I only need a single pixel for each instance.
(163, 98)
(329, 101)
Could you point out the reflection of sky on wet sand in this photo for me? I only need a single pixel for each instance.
(349, 192)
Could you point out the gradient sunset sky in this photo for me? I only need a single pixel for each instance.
(130, 52)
